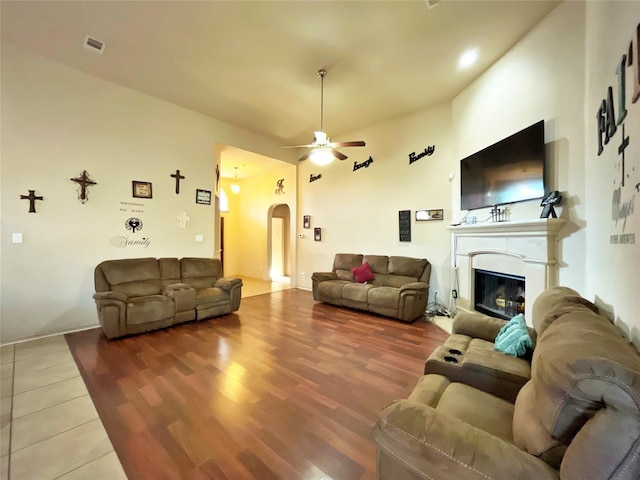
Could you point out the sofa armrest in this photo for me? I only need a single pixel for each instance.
(228, 283)
(183, 296)
(477, 325)
(112, 313)
(413, 287)
(432, 445)
(322, 276)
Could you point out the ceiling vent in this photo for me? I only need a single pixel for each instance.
(94, 45)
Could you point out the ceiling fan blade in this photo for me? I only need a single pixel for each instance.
(309, 145)
(357, 143)
(304, 157)
(338, 155)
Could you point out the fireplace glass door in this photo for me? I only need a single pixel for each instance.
(498, 294)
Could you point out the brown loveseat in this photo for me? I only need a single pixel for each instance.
(142, 294)
(577, 418)
(399, 288)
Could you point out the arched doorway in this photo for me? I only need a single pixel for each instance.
(278, 243)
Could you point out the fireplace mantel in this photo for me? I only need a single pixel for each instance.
(525, 248)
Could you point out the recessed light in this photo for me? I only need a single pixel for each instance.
(468, 58)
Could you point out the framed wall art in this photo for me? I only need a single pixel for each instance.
(306, 221)
(317, 234)
(428, 215)
(203, 197)
(141, 189)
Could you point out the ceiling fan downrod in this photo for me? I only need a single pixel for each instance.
(322, 74)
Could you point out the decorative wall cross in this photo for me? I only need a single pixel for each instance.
(178, 177)
(84, 181)
(183, 218)
(32, 200)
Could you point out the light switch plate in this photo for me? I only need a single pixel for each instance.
(17, 238)
(199, 238)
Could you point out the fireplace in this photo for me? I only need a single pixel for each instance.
(521, 250)
(498, 294)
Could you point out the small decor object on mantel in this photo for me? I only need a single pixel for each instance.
(32, 197)
(84, 182)
(178, 177)
(203, 197)
(548, 202)
(141, 189)
(317, 234)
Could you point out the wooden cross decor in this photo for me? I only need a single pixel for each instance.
(183, 218)
(178, 177)
(32, 200)
(84, 181)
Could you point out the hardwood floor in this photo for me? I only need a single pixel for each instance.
(285, 388)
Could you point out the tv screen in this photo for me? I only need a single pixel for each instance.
(509, 171)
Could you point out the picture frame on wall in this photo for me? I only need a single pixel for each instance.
(306, 221)
(141, 189)
(203, 197)
(317, 234)
(429, 215)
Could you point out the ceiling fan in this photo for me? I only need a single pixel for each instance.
(323, 149)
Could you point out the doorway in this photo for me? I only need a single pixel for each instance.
(278, 244)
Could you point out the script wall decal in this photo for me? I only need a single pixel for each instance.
(427, 152)
(365, 164)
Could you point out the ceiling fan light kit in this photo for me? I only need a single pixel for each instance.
(323, 149)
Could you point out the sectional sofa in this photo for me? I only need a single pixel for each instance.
(576, 418)
(141, 294)
(393, 286)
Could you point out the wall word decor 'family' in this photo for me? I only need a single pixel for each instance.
(427, 152)
(313, 178)
(365, 164)
(607, 122)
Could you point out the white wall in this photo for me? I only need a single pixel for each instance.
(57, 122)
(613, 270)
(358, 210)
(541, 78)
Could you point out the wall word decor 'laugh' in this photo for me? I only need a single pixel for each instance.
(365, 164)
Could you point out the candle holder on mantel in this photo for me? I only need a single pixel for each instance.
(498, 214)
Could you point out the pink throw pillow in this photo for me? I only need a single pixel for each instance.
(363, 273)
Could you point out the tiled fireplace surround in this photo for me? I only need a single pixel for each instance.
(524, 248)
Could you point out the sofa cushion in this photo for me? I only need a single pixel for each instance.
(555, 302)
(134, 277)
(407, 266)
(344, 262)
(211, 296)
(528, 432)
(357, 292)
(362, 274)
(200, 272)
(385, 296)
(331, 290)
(169, 271)
(151, 308)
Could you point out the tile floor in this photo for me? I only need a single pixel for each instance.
(50, 427)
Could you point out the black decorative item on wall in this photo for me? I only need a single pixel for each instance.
(548, 202)
(313, 178)
(317, 234)
(306, 221)
(178, 177)
(427, 152)
(32, 197)
(203, 197)
(404, 225)
(280, 187)
(83, 182)
(134, 224)
(365, 164)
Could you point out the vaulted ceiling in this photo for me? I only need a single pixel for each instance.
(253, 64)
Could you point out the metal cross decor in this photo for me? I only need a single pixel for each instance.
(178, 177)
(32, 200)
(84, 181)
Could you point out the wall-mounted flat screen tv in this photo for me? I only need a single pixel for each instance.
(511, 170)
